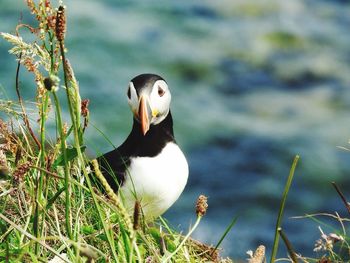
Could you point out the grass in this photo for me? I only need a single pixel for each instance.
(281, 210)
(49, 207)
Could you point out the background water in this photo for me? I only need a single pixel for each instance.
(253, 84)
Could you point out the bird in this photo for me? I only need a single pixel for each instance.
(149, 166)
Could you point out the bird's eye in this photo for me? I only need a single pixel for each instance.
(160, 92)
(129, 93)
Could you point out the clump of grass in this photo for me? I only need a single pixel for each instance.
(49, 208)
(331, 247)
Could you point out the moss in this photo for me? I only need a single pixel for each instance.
(189, 70)
(284, 40)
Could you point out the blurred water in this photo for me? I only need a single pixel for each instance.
(253, 84)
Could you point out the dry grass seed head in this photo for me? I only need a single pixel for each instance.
(202, 205)
(137, 215)
(20, 171)
(60, 24)
(84, 107)
(8, 139)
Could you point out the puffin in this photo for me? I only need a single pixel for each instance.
(149, 166)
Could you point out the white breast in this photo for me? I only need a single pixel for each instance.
(155, 181)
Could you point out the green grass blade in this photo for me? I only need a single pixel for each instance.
(281, 210)
(228, 229)
(103, 134)
(167, 259)
(53, 199)
(166, 225)
(30, 236)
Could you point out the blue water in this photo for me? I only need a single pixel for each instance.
(253, 84)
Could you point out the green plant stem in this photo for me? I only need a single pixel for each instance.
(165, 224)
(36, 223)
(42, 188)
(74, 117)
(80, 155)
(184, 240)
(233, 222)
(44, 106)
(52, 65)
(52, 60)
(281, 210)
(40, 179)
(69, 99)
(66, 167)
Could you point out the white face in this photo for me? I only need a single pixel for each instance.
(158, 98)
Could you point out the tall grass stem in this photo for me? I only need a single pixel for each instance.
(228, 229)
(281, 209)
(66, 166)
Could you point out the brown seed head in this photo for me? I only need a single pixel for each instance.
(70, 72)
(325, 260)
(21, 170)
(3, 164)
(51, 22)
(48, 5)
(137, 214)
(32, 7)
(84, 107)
(60, 24)
(30, 65)
(8, 140)
(202, 205)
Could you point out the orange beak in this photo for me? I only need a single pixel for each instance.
(143, 115)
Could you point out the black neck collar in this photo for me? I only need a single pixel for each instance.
(150, 144)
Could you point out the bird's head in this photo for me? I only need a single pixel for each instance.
(149, 99)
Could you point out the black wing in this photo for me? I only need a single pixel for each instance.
(113, 167)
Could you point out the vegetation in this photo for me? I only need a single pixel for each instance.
(49, 207)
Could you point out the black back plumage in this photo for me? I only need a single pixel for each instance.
(114, 164)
